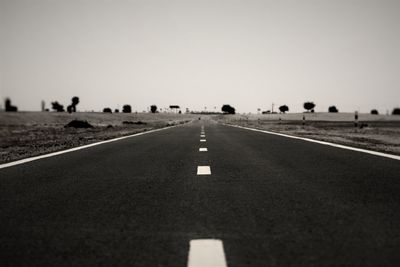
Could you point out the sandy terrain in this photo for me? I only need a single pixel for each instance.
(379, 132)
(26, 134)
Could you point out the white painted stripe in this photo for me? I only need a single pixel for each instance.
(203, 149)
(202, 140)
(22, 161)
(206, 253)
(203, 170)
(202, 135)
(380, 154)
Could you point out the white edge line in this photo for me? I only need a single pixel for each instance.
(380, 154)
(22, 161)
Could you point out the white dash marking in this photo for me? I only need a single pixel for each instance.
(202, 140)
(202, 135)
(203, 149)
(203, 170)
(206, 253)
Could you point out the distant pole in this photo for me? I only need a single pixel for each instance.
(272, 108)
(43, 104)
(304, 119)
(355, 118)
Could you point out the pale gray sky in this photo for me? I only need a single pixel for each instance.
(247, 53)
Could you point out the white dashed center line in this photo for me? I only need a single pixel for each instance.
(206, 253)
(203, 170)
(203, 149)
(202, 135)
(202, 140)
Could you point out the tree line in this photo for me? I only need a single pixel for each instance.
(309, 106)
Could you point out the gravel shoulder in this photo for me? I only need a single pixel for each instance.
(378, 133)
(28, 134)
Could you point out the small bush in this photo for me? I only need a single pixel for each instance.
(107, 110)
(57, 106)
(153, 108)
(374, 112)
(9, 107)
(78, 124)
(333, 109)
(127, 109)
(396, 111)
(228, 109)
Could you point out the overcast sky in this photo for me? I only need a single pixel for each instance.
(246, 53)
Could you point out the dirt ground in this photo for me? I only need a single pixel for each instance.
(373, 132)
(27, 134)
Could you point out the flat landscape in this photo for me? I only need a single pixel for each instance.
(147, 200)
(375, 132)
(26, 134)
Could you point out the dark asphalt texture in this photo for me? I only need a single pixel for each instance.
(273, 201)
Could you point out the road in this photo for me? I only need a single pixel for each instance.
(270, 200)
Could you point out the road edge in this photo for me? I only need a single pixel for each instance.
(69, 150)
(371, 152)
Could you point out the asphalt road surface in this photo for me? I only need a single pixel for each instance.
(270, 200)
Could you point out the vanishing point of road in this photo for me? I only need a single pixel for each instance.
(202, 194)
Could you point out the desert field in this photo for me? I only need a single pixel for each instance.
(374, 132)
(26, 134)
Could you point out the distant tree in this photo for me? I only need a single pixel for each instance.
(75, 100)
(266, 112)
(174, 107)
(396, 111)
(309, 106)
(9, 107)
(116, 110)
(107, 110)
(333, 109)
(57, 106)
(374, 112)
(228, 109)
(72, 108)
(153, 108)
(283, 108)
(127, 109)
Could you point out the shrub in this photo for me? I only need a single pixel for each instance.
(78, 124)
(227, 109)
(127, 109)
(309, 106)
(283, 108)
(374, 112)
(153, 108)
(57, 106)
(107, 110)
(396, 111)
(9, 107)
(116, 110)
(333, 109)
